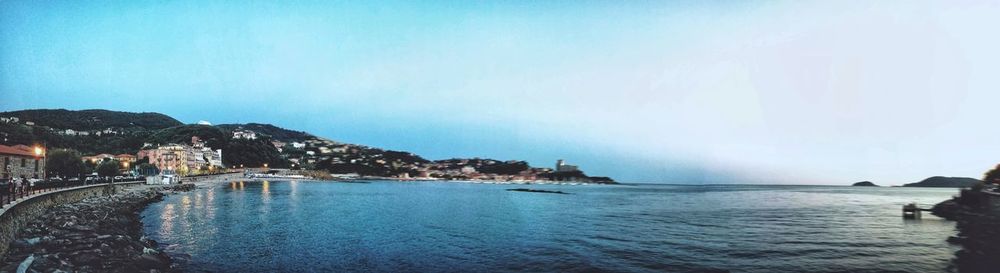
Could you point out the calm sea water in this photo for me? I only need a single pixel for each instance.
(458, 227)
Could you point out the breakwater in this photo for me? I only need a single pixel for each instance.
(86, 229)
(15, 215)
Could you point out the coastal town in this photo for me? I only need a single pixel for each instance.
(206, 149)
(59, 178)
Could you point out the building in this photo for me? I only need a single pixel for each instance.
(183, 159)
(69, 132)
(21, 161)
(170, 158)
(561, 166)
(278, 145)
(97, 158)
(244, 134)
(125, 158)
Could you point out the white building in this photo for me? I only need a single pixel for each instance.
(561, 166)
(244, 134)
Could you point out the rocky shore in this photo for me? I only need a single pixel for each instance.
(978, 231)
(97, 234)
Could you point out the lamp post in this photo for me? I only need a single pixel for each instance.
(40, 155)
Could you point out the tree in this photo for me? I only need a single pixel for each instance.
(64, 162)
(992, 176)
(108, 168)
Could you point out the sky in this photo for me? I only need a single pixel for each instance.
(775, 92)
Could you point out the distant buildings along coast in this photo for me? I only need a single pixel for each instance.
(104, 135)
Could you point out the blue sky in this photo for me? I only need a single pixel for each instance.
(679, 92)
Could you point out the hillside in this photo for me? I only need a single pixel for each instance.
(275, 132)
(94, 119)
(101, 131)
(945, 182)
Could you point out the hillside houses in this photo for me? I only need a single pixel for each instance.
(244, 134)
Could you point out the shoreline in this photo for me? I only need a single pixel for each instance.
(96, 234)
(978, 230)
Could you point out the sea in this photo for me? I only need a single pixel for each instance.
(384, 226)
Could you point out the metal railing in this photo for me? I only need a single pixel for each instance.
(10, 191)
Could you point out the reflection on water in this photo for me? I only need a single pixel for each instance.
(167, 216)
(266, 226)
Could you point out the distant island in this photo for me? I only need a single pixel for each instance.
(864, 184)
(945, 182)
(142, 138)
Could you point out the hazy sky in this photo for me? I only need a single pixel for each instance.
(818, 92)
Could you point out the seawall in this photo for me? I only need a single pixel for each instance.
(16, 215)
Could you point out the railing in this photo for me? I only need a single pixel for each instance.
(10, 192)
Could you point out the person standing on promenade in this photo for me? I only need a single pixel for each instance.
(17, 186)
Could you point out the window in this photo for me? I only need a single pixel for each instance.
(22, 162)
(36, 166)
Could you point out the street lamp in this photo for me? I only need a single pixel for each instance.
(40, 155)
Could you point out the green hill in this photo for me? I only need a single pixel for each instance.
(945, 182)
(275, 132)
(103, 131)
(94, 119)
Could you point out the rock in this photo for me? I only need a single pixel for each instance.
(86, 258)
(20, 243)
(150, 261)
(23, 267)
(65, 238)
(538, 191)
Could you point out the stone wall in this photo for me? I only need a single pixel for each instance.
(15, 215)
